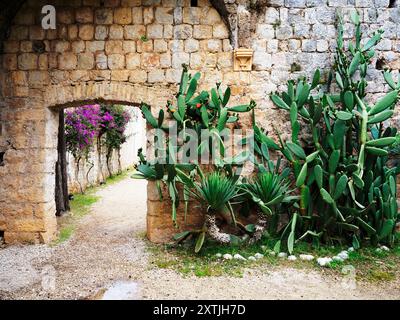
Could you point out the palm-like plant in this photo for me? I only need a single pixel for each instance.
(268, 190)
(216, 191)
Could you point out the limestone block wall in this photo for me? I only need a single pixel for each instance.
(129, 51)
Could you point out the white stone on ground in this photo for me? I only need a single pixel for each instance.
(251, 258)
(337, 258)
(324, 261)
(292, 258)
(344, 255)
(227, 256)
(282, 255)
(272, 253)
(351, 249)
(258, 256)
(306, 257)
(384, 248)
(218, 255)
(237, 256)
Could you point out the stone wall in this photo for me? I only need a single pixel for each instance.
(129, 51)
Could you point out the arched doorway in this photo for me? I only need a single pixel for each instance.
(122, 52)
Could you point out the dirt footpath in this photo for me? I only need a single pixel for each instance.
(107, 247)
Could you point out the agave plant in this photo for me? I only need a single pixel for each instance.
(347, 190)
(216, 191)
(268, 190)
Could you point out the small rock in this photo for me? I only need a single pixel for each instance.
(379, 250)
(292, 258)
(306, 257)
(227, 256)
(237, 256)
(272, 253)
(351, 249)
(258, 256)
(282, 255)
(384, 248)
(251, 258)
(324, 261)
(343, 255)
(218, 255)
(338, 259)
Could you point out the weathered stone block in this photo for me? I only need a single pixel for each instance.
(116, 61)
(113, 46)
(27, 61)
(154, 31)
(134, 32)
(84, 15)
(103, 16)
(67, 61)
(94, 46)
(102, 33)
(183, 31)
(133, 60)
(160, 45)
(123, 16)
(164, 15)
(156, 76)
(86, 32)
(85, 61)
(150, 60)
(202, 32)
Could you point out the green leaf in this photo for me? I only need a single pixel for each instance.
(340, 186)
(389, 80)
(369, 229)
(358, 181)
(387, 228)
(382, 142)
(354, 63)
(326, 196)
(316, 77)
(290, 242)
(318, 175)
(181, 106)
(296, 149)
(200, 242)
(384, 103)
(349, 100)
(380, 117)
(311, 157)
(339, 80)
(222, 119)
(372, 42)
(214, 98)
(227, 96)
(376, 151)
(250, 227)
(343, 115)
(355, 242)
(334, 160)
(279, 102)
(204, 116)
(301, 178)
(182, 235)
(192, 88)
(277, 246)
(240, 108)
(149, 117)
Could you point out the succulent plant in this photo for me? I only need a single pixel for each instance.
(347, 191)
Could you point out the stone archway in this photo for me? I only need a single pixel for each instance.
(114, 51)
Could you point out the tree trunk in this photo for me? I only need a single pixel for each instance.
(61, 192)
(259, 228)
(214, 232)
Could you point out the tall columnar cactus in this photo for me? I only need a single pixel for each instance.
(347, 191)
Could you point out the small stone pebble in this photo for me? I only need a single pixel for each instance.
(227, 256)
(324, 261)
(306, 257)
(218, 255)
(384, 248)
(237, 256)
(251, 258)
(282, 255)
(292, 258)
(272, 253)
(343, 255)
(338, 259)
(351, 249)
(258, 256)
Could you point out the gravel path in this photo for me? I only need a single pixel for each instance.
(107, 248)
